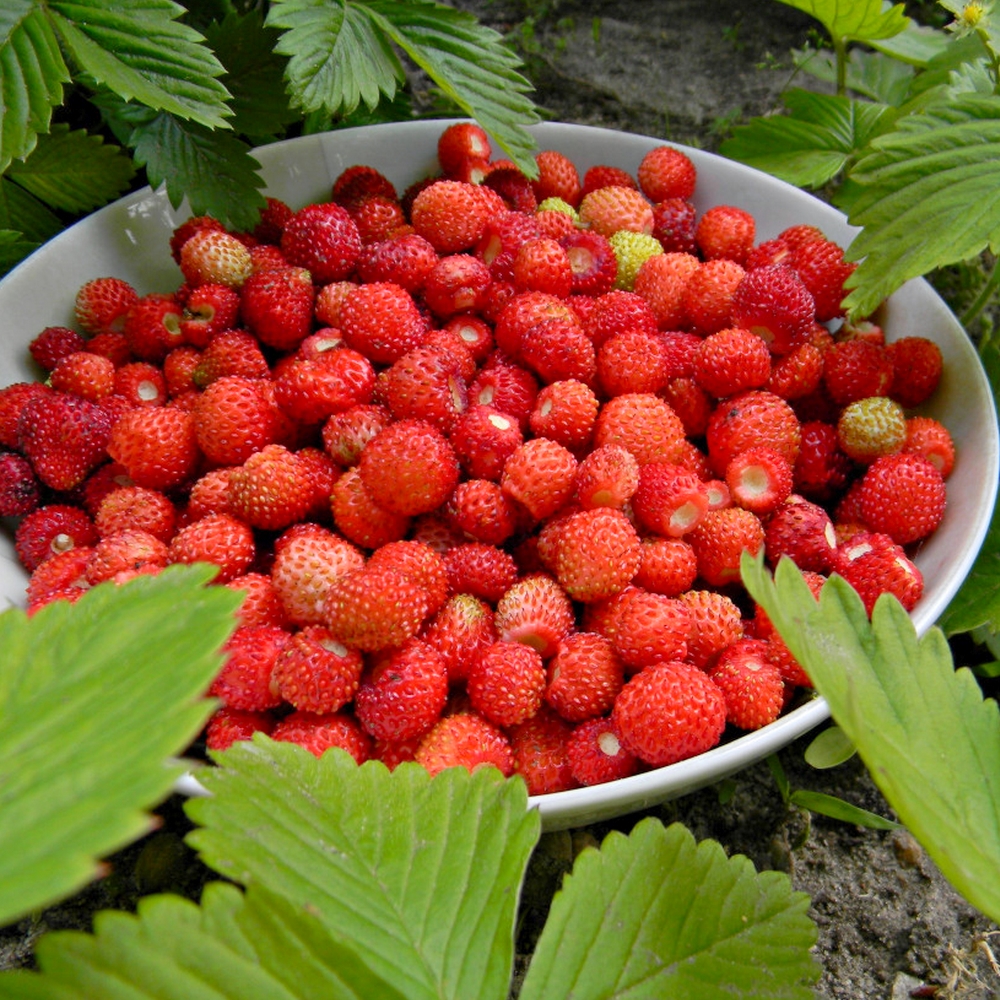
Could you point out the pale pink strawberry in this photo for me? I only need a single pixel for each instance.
(213, 256)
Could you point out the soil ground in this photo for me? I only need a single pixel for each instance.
(890, 926)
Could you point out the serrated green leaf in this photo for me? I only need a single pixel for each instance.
(871, 74)
(254, 75)
(917, 44)
(13, 249)
(215, 171)
(829, 748)
(74, 171)
(922, 178)
(422, 873)
(32, 74)
(337, 56)
(836, 808)
(141, 51)
(94, 698)
(857, 20)
(818, 138)
(922, 728)
(471, 64)
(653, 915)
(24, 213)
(233, 947)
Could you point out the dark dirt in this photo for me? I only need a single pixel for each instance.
(889, 924)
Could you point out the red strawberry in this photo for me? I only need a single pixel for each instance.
(597, 553)
(484, 438)
(759, 479)
(610, 208)
(668, 566)
(649, 628)
(244, 682)
(607, 476)
(731, 361)
(661, 282)
(539, 475)
(13, 399)
(319, 733)
(665, 172)
(873, 565)
(233, 419)
(315, 672)
(456, 283)
(451, 215)
(346, 433)
(773, 303)
(271, 489)
(137, 507)
(592, 262)
(141, 383)
(229, 352)
(426, 384)
(51, 529)
(220, 539)
(930, 438)
(565, 411)
(465, 740)
(823, 270)
(750, 419)
(310, 390)
(558, 349)
(53, 344)
(719, 540)
(479, 509)
(419, 563)
(604, 175)
(152, 326)
(856, 369)
(725, 232)
(209, 309)
(382, 321)
(535, 611)
(643, 424)
(359, 518)
(752, 686)
(323, 239)
(508, 388)
(804, 532)
(543, 265)
(708, 295)
(20, 491)
(615, 312)
(584, 677)
(101, 304)
(64, 437)
(596, 754)
(506, 682)
(461, 142)
(539, 745)
(124, 554)
(458, 631)
(277, 306)
(360, 181)
(902, 496)
(669, 712)
(674, 225)
(229, 725)
(261, 604)
(916, 369)
(484, 571)
(213, 256)
(557, 177)
(82, 374)
(405, 259)
(157, 446)
(669, 500)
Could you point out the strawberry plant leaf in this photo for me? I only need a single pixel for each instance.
(94, 698)
(32, 74)
(13, 249)
(921, 178)
(254, 75)
(705, 925)
(922, 728)
(829, 749)
(215, 171)
(859, 21)
(234, 946)
(917, 44)
(141, 51)
(814, 142)
(867, 73)
(74, 171)
(422, 873)
(471, 65)
(839, 809)
(337, 58)
(24, 213)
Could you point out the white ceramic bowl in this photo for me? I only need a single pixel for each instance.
(128, 239)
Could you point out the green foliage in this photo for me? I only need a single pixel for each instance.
(354, 882)
(180, 97)
(94, 698)
(923, 729)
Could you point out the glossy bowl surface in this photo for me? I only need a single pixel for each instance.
(129, 238)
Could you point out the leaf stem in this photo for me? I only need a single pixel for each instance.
(840, 51)
(984, 296)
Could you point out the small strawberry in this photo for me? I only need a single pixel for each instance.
(650, 628)
(209, 309)
(916, 369)
(277, 306)
(64, 437)
(536, 611)
(484, 438)
(524, 311)
(63, 576)
(323, 239)
(632, 361)
(381, 321)
(229, 725)
(823, 270)
(557, 177)
(930, 438)
(661, 283)
(101, 304)
(230, 352)
(603, 175)
(271, 489)
(856, 369)
(643, 424)
(319, 733)
(13, 399)
(539, 745)
(54, 343)
(506, 682)
(725, 232)
(798, 374)
(458, 631)
(479, 509)
(558, 349)
(669, 500)
(467, 740)
(152, 326)
(213, 256)
(804, 532)
(123, 554)
(615, 312)
(596, 754)
(419, 563)
(82, 374)
(311, 389)
(592, 261)
(584, 677)
(484, 571)
(506, 387)
(669, 712)
(752, 686)
(261, 604)
(565, 411)
(346, 433)
(404, 694)
(665, 172)
(902, 496)
(759, 479)
(707, 301)
(405, 259)
(315, 672)
(360, 181)
(773, 303)
(157, 446)
(233, 419)
(675, 222)
(51, 529)
(220, 539)
(244, 682)
(539, 475)
(426, 384)
(142, 383)
(731, 361)
(451, 215)
(607, 476)
(668, 566)
(543, 264)
(597, 553)
(359, 518)
(751, 419)
(460, 142)
(137, 507)
(20, 490)
(719, 540)
(873, 564)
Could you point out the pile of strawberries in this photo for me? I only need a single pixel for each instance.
(483, 457)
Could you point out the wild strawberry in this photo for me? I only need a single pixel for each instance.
(213, 256)
(730, 361)
(606, 477)
(277, 306)
(152, 326)
(592, 260)
(63, 436)
(542, 264)
(137, 507)
(661, 282)
(539, 475)
(409, 467)
(823, 270)
(871, 427)
(557, 220)
(244, 682)
(632, 250)
(856, 369)
(725, 232)
(51, 529)
(419, 563)
(63, 576)
(508, 388)
(346, 433)
(759, 479)
(597, 553)
(20, 491)
(319, 733)
(123, 554)
(141, 383)
(458, 631)
(752, 686)
(54, 343)
(451, 215)
(481, 510)
(584, 677)
(665, 172)
(536, 611)
(310, 390)
(669, 712)
(230, 725)
(902, 496)
(930, 438)
(377, 217)
(751, 419)
(556, 350)
(233, 419)
(473, 333)
(610, 208)
(101, 304)
(557, 177)
(506, 682)
(482, 570)
(804, 532)
(642, 424)
(261, 604)
(708, 296)
(405, 259)
(503, 236)
(209, 309)
(404, 694)
(85, 375)
(426, 384)
(230, 352)
(719, 540)
(157, 446)
(271, 489)
(374, 609)
(460, 142)
(669, 500)
(596, 754)
(539, 745)
(674, 225)
(873, 564)
(315, 672)
(604, 175)
(916, 369)
(821, 468)
(466, 740)
(633, 361)
(483, 438)
(525, 310)
(797, 374)
(220, 539)
(323, 239)
(616, 312)
(13, 399)
(668, 566)
(649, 628)
(773, 303)
(359, 518)
(565, 411)
(381, 321)
(512, 185)
(360, 181)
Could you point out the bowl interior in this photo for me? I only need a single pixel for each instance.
(129, 239)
